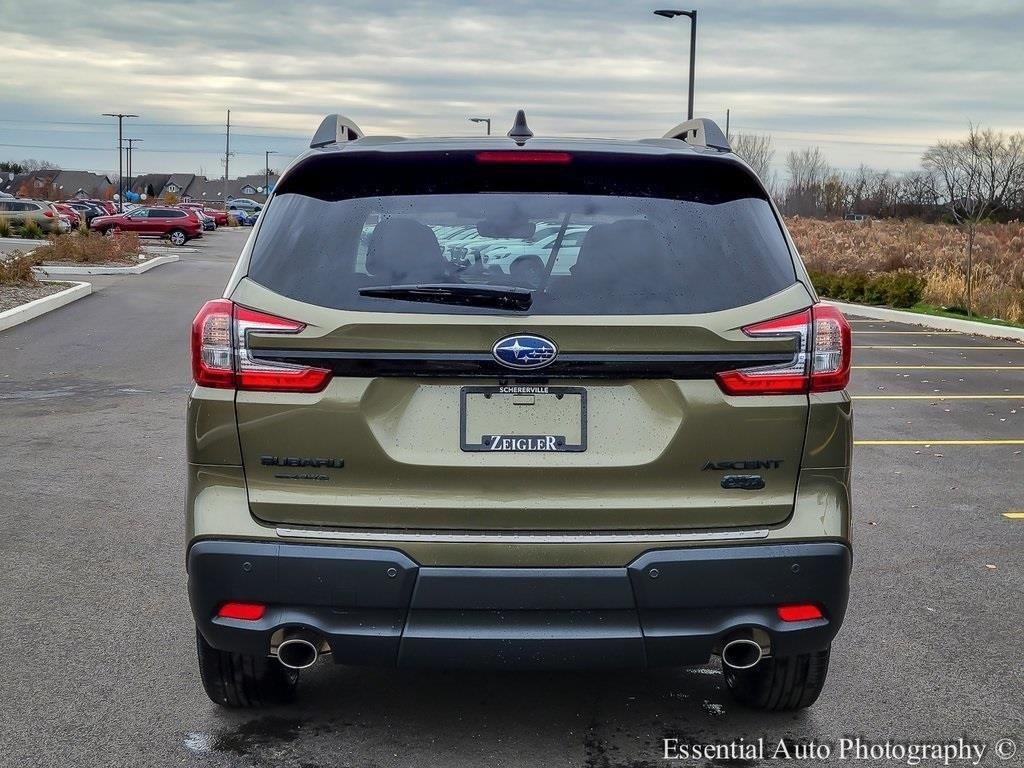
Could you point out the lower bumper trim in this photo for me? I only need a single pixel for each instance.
(669, 607)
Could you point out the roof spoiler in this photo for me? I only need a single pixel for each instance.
(335, 129)
(700, 132)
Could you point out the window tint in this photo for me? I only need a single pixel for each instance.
(648, 240)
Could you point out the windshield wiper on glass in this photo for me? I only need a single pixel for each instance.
(499, 297)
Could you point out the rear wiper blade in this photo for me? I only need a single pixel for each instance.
(499, 297)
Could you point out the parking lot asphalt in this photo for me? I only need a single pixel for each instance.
(99, 660)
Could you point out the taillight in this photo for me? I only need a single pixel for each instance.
(800, 612)
(48, 214)
(831, 351)
(523, 157)
(242, 611)
(821, 363)
(212, 348)
(221, 357)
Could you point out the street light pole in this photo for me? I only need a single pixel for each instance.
(482, 120)
(671, 14)
(120, 156)
(266, 170)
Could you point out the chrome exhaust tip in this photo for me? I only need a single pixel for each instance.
(742, 653)
(297, 653)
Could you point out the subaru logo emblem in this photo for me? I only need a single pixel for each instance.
(524, 351)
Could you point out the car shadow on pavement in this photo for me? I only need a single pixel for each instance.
(346, 716)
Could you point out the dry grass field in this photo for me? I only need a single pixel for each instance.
(934, 252)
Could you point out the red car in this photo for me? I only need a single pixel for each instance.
(221, 217)
(73, 216)
(177, 225)
(107, 205)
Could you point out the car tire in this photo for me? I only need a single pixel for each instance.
(177, 237)
(111, 232)
(242, 681)
(780, 684)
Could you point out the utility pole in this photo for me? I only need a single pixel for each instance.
(227, 159)
(727, 123)
(120, 156)
(482, 120)
(131, 142)
(266, 170)
(671, 14)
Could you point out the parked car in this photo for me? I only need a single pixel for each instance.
(245, 204)
(87, 210)
(18, 212)
(643, 462)
(109, 206)
(209, 223)
(73, 216)
(242, 216)
(174, 224)
(529, 260)
(219, 217)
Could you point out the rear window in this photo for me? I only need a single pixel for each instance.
(600, 235)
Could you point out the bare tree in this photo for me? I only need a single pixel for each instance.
(974, 178)
(807, 171)
(31, 164)
(756, 150)
(807, 168)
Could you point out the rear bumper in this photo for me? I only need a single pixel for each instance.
(377, 606)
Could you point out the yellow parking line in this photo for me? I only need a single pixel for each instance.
(938, 442)
(1014, 515)
(937, 396)
(1018, 347)
(939, 367)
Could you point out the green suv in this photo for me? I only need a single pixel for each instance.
(637, 455)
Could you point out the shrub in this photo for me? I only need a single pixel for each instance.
(90, 248)
(31, 230)
(932, 252)
(16, 270)
(5, 228)
(897, 289)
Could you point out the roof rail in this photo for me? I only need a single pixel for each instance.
(335, 129)
(700, 132)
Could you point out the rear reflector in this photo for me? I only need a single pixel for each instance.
(803, 612)
(221, 357)
(821, 362)
(242, 611)
(525, 157)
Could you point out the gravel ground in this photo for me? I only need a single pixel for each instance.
(12, 296)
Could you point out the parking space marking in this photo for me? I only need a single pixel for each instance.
(938, 442)
(1014, 515)
(937, 397)
(911, 333)
(938, 367)
(1018, 347)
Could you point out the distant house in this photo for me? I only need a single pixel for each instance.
(57, 184)
(213, 190)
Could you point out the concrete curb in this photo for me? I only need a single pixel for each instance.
(928, 321)
(169, 248)
(25, 312)
(61, 269)
(19, 242)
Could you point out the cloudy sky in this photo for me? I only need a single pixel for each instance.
(871, 81)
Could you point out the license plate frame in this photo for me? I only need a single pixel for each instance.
(535, 443)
